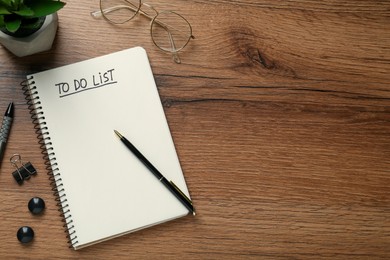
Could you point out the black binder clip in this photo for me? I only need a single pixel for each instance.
(23, 170)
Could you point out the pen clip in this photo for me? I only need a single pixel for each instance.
(184, 196)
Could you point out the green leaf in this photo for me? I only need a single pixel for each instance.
(15, 4)
(4, 10)
(6, 3)
(2, 24)
(13, 25)
(45, 7)
(24, 11)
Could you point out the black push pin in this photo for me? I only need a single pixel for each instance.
(23, 170)
(25, 234)
(36, 205)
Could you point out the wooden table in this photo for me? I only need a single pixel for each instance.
(280, 112)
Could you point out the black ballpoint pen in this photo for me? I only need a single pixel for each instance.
(5, 127)
(169, 184)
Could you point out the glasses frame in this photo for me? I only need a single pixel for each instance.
(154, 20)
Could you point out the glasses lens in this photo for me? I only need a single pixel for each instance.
(119, 11)
(170, 31)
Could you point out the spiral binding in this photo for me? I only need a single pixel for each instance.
(42, 131)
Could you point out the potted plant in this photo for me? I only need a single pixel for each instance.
(28, 26)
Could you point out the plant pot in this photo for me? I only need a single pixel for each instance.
(39, 41)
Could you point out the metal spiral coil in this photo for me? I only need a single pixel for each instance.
(47, 151)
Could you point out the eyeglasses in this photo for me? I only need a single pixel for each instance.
(169, 31)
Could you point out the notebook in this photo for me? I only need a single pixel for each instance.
(103, 189)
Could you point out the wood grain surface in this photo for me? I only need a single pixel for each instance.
(280, 112)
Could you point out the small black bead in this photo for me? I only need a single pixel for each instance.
(25, 234)
(36, 205)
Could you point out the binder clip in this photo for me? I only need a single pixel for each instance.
(23, 170)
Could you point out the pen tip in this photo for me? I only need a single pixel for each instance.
(118, 134)
(10, 110)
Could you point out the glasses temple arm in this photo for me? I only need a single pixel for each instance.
(101, 12)
(175, 56)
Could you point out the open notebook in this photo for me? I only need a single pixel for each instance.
(105, 191)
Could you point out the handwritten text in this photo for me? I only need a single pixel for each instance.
(97, 80)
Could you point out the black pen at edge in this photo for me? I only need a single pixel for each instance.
(168, 184)
(5, 128)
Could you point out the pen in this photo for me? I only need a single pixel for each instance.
(169, 184)
(5, 127)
